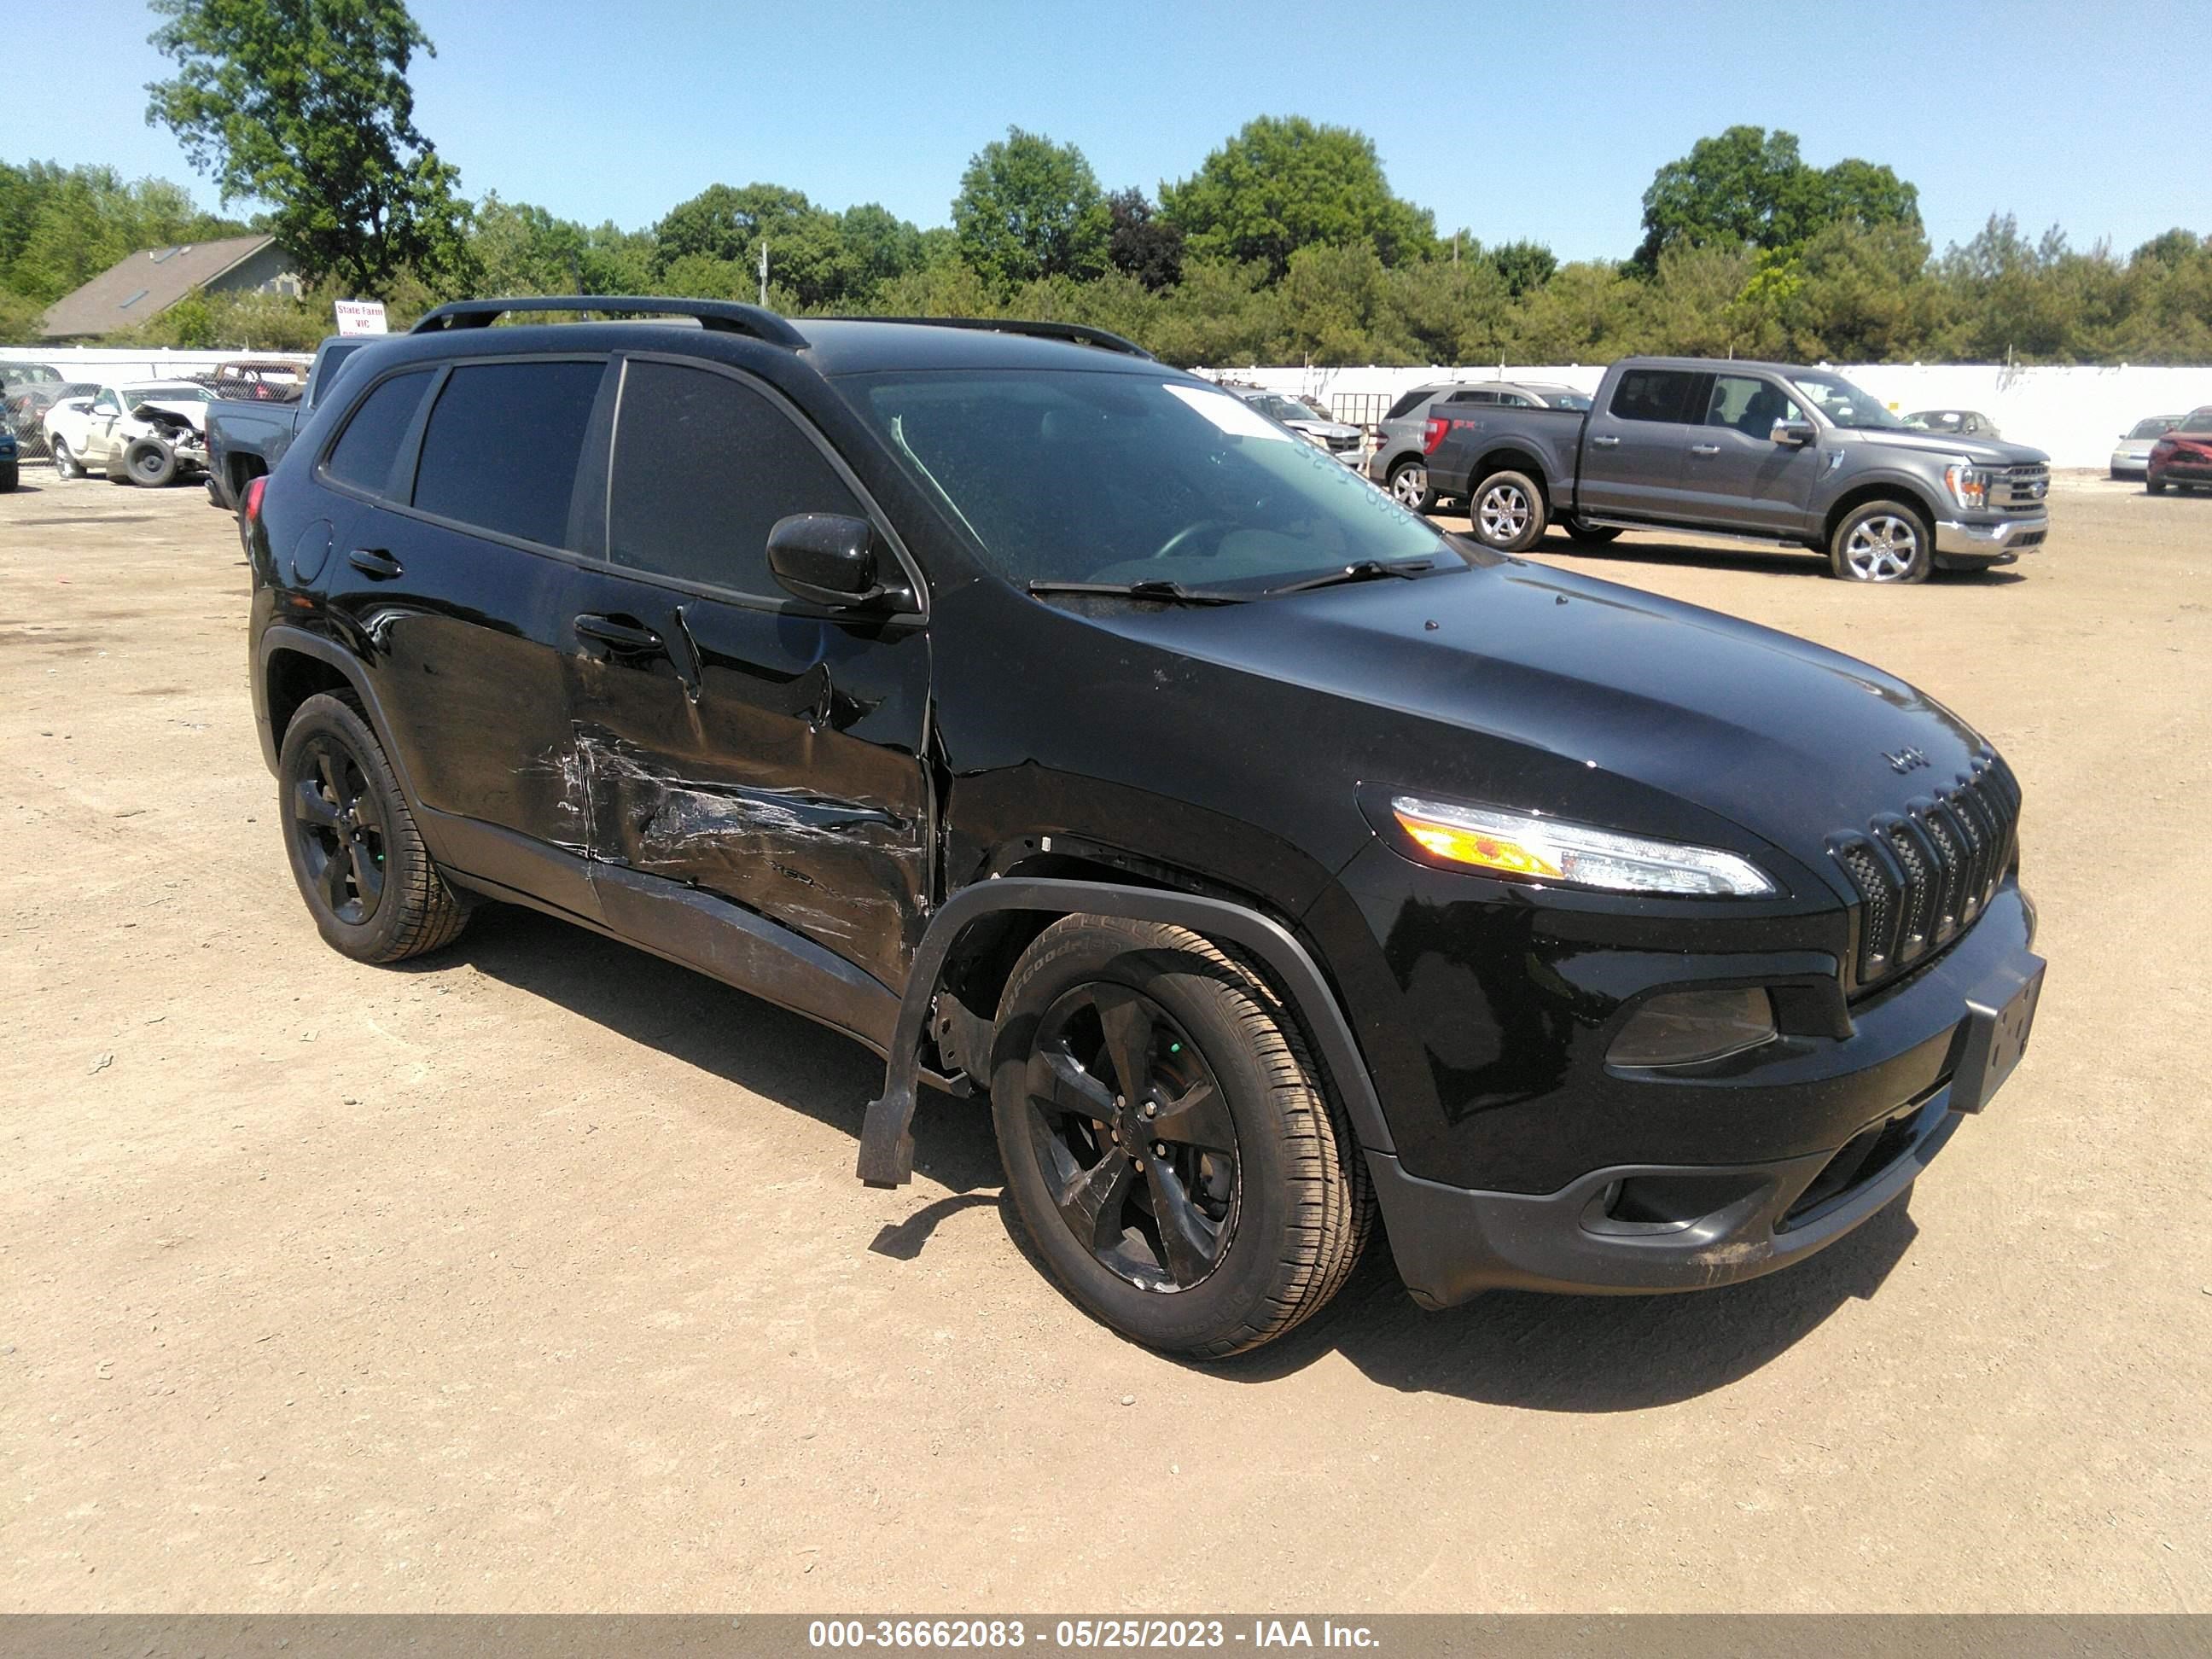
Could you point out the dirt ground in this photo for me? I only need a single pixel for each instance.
(536, 1276)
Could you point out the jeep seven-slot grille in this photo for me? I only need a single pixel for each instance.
(1923, 875)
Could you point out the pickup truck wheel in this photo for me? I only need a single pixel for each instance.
(1589, 535)
(150, 463)
(1506, 510)
(65, 465)
(1409, 485)
(1171, 1148)
(1882, 542)
(361, 864)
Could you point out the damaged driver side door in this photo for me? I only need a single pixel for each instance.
(733, 738)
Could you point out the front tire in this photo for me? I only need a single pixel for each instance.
(66, 464)
(1506, 512)
(2153, 486)
(1882, 542)
(359, 863)
(1171, 1147)
(1409, 487)
(150, 463)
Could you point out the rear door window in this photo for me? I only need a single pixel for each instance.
(1653, 394)
(704, 465)
(502, 448)
(365, 451)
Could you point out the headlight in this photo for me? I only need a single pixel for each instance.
(1969, 485)
(1540, 848)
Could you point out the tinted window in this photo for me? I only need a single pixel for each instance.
(1749, 405)
(1653, 394)
(1409, 401)
(704, 466)
(364, 454)
(501, 447)
(1475, 397)
(2158, 427)
(2198, 420)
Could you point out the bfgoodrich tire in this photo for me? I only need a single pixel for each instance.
(1170, 1146)
(1506, 512)
(1882, 542)
(361, 864)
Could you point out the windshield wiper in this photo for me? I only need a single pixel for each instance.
(1365, 570)
(1152, 588)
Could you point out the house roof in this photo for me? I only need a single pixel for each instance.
(144, 285)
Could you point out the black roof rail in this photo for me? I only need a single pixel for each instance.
(1075, 333)
(725, 316)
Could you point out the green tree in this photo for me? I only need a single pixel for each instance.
(307, 106)
(1749, 187)
(877, 246)
(1143, 244)
(1285, 183)
(61, 227)
(1031, 208)
(1522, 265)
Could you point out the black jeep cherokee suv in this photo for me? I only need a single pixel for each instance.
(1063, 729)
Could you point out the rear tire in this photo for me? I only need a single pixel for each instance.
(150, 464)
(1882, 542)
(1153, 1226)
(359, 862)
(1506, 512)
(1409, 487)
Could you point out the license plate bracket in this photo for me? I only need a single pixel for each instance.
(1999, 1016)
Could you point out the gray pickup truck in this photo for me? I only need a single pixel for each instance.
(246, 436)
(1768, 450)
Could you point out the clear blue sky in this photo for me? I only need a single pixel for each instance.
(1544, 121)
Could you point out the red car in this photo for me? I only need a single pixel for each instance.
(2184, 457)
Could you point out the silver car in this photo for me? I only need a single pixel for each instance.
(1399, 462)
(2132, 458)
(1342, 442)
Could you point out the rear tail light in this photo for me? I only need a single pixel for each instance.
(253, 505)
(1432, 432)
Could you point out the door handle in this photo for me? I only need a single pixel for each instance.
(1607, 443)
(620, 635)
(1704, 449)
(374, 562)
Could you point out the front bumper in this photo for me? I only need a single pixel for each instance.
(2008, 538)
(2130, 463)
(1920, 1055)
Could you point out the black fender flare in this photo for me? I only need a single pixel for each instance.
(887, 1134)
(276, 637)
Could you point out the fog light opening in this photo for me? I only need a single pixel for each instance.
(1687, 1028)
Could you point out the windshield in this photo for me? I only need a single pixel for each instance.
(1845, 404)
(26, 373)
(2197, 421)
(1282, 409)
(2157, 427)
(1067, 476)
(168, 393)
(1567, 399)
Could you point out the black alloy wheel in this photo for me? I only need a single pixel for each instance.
(1133, 1137)
(337, 830)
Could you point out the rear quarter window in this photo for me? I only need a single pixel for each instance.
(363, 455)
(501, 450)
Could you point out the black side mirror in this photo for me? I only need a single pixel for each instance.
(830, 559)
(1795, 434)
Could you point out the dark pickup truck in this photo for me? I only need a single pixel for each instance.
(246, 436)
(1770, 451)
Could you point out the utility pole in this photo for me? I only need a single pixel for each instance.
(763, 271)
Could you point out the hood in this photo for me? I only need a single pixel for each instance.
(1325, 428)
(1582, 679)
(194, 415)
(1989, 452)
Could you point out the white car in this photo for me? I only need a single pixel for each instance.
(1333, 438)
(2132, 458)
(147, 431)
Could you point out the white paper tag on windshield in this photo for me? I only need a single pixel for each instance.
(1232, 414)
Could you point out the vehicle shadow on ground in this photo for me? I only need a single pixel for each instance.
(1540, 1352)
(787, 1059)
(1750, 557)
(1583, 1353)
